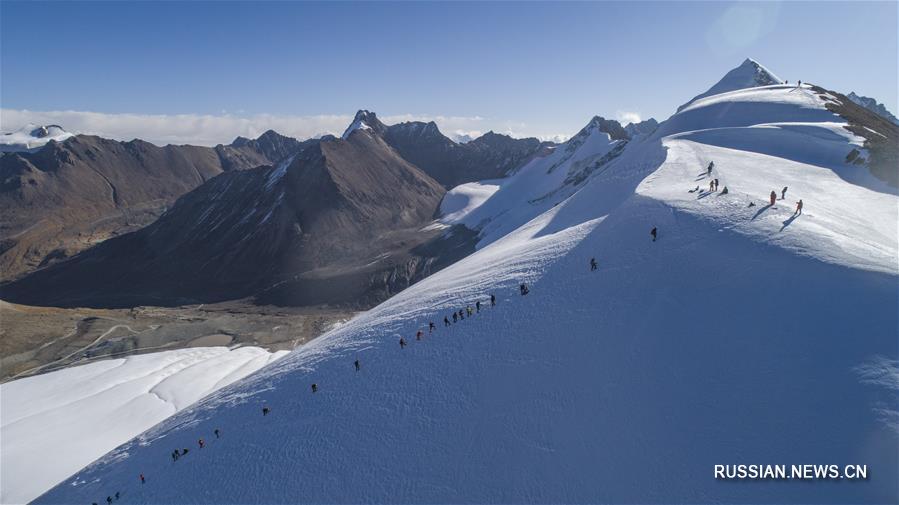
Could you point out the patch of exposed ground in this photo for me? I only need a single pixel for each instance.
(35, 340)
(881, 136)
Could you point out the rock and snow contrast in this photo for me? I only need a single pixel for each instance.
(55, 424)
(746, 333)
(31, 137)
(364, 120)
(873, 106)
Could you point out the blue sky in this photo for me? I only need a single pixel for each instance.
(527, 68)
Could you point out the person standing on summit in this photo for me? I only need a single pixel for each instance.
(783, 193)
(798, 207)
(709, 170)
(773, 196)
(593, 265)
(654, 233)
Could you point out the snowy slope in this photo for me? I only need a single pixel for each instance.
(56, 423)
(496, 207)
(733, 339)
(766, 138)
(31, 138)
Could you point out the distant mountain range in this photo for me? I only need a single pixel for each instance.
(320, 221)
(873, 106)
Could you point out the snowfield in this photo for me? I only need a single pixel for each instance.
(56, 423)
(743, 335)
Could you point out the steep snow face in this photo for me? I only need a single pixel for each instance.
(497, 207)
(31, 138)
(749, 74)
(873, 106)
(55, 424)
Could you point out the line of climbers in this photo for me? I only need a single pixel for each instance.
(457, 316)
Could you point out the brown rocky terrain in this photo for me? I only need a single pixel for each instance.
(40, 339)
(71, 195)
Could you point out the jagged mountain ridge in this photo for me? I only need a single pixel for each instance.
(268, 148)
(450, 163)
(873, 106)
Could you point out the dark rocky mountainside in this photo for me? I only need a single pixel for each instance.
(340, 222)
(73, 194)
(881, 135)
(269, 148)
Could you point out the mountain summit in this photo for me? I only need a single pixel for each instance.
(365, 120)
(749, 74)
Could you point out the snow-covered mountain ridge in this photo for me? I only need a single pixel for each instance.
(31, 138)
(742, 334)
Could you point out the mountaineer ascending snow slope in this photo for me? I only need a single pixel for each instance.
(742, 335)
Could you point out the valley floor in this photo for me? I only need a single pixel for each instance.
(36, 340)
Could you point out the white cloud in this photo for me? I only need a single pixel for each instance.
(625, 117)
(558, 138)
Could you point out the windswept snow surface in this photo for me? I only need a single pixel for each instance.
(749, 74)
(739, 337)
(56, 423)
(460, 201)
